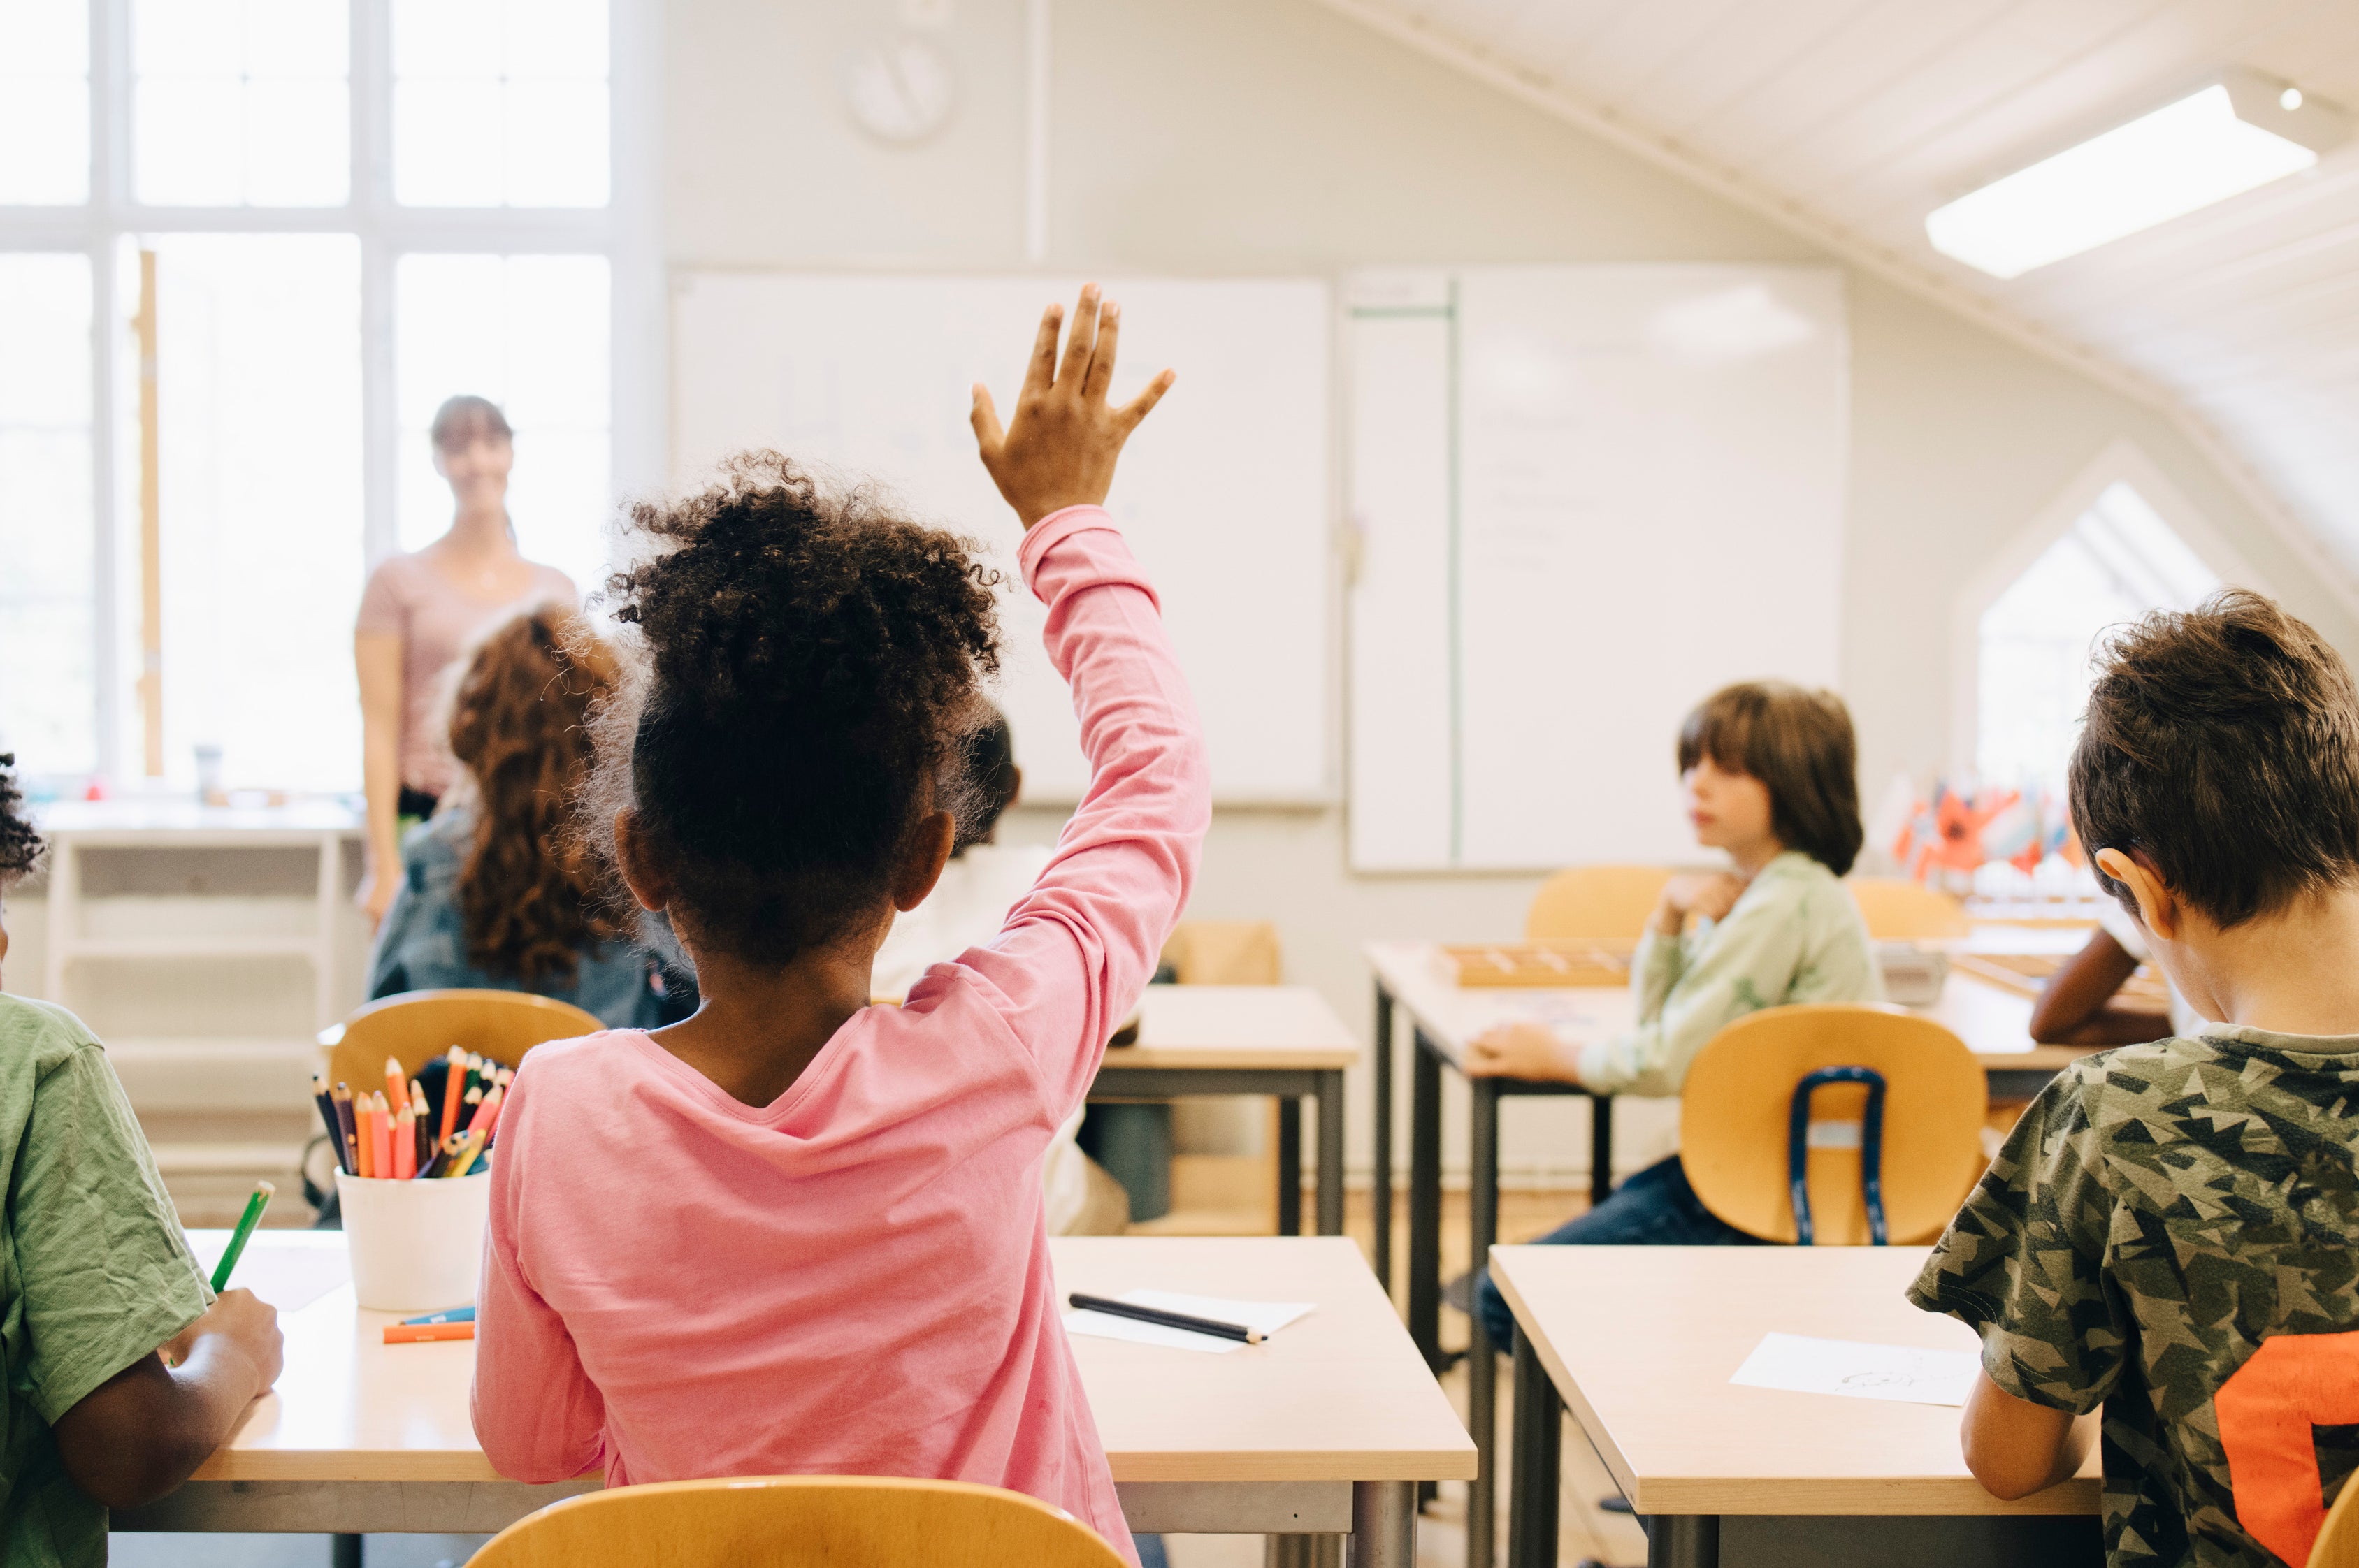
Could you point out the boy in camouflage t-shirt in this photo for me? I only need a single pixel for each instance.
(2169, 1231)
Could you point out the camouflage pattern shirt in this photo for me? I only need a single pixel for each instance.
(2172, 1231)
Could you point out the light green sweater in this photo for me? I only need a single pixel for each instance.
(1795, 935)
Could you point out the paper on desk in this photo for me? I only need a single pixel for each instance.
(1266, 1316)
(290, 1270)
(1861, 1372)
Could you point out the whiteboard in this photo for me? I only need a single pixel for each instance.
(1583, 498)
(1224, 492)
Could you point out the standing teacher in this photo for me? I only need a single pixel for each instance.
(419, 613)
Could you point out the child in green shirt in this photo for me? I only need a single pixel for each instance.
(1768, 772)
(122, 1372)
(2171, 1233)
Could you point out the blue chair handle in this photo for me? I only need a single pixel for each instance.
(1871, 1148)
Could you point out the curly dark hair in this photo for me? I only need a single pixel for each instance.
(20, 846)
(814, 663)
(518, 727)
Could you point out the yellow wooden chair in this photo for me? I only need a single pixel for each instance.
(414, 1026)
(2337, 1545)
(1224, 953)
(1737, 1114)
(798, 1521)
(1607, 901)
(1898, 909)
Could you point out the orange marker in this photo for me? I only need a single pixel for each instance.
(405, 1144)
(395, 1082)
(420, 1333)
(364, 1135)
(454, 1083)
(381, 1126)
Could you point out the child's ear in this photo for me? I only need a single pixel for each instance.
(647, 880)
(2159, 908)
(929, 851)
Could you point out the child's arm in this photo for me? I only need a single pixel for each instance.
(145, 1429)
(2075, 1008)
(535, 1411)
(2014, 1448)
(1077, 951)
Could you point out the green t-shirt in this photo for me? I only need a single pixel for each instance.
(2172, 1231)
(94, 1273)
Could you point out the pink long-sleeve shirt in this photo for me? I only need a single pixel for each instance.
(854, 1277)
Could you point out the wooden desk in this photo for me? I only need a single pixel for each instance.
(1248, 1040)
(1639, 1342)
(1996, 1024)
(1325, 1429)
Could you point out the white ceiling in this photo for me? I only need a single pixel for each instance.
(1851, 119)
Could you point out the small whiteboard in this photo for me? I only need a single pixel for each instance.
(1584, 497)
(1223, 493)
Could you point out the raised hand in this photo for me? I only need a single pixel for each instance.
(1059, 449)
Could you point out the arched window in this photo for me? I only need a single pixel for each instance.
(2114, 562)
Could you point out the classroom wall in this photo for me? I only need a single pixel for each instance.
(1215, 136)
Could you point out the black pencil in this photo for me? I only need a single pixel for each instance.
(1212, 1325)
(342, 1098)
(328, 1118)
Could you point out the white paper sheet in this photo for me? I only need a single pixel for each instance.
(291, 1269)
(1266, 1316)
(1859, 1371)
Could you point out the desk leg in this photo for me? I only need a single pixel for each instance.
(1482, 1361)
(1383, 1524)
(1533, 1462)
(344, 1552)
(1331, 1154)
(1683, 1540)
(1380, 1193)
(1289, 1166)
(1600, 1149)
(1425, 1201)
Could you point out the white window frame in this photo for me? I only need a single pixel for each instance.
(625, 231)
(2122, 462)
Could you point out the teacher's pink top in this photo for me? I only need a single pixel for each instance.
(854, 1277)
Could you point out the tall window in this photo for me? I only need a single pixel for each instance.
(2118, 560)
(350, 209)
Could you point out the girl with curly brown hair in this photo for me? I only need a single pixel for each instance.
(493, 892)
(796, 1233)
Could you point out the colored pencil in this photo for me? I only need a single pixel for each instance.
(423, 1332)
(342, 1096)
(456, 1315)
(365, 1137)
(442, 1161)
(405, 1143)
(453, 1082)
(381, 1125)
(396, 1090)
(473, 1145)
(321, 1097)
(487, 1112)
(421, 1126)
(245, 1224)
(475, 1074)
(1211, 1325)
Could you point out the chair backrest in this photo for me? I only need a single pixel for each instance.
(414, 1026)
(1898, 909)
(1610, 901)
(798, 1521)
(1224, 952)
(2337, 1545)
(1735, 1106)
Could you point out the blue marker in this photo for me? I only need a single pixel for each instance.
(456, 1315)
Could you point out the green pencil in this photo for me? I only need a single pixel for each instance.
(245, 1224)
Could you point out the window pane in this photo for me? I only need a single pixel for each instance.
(47, 690)
(241, 102)
(258, 364)
(500, 102)
(44, 102)
(530, 333)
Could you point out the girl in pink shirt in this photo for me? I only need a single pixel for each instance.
(795, 1233)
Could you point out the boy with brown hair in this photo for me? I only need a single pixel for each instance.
(122, 1372)
(2172, 1231)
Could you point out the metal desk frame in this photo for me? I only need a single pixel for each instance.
(1291, 1086)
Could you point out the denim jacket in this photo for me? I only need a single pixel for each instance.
(423, 943)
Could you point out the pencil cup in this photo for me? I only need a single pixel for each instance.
(416, 1246)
